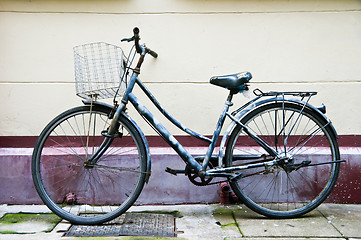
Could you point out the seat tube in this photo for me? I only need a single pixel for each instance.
(217, 131)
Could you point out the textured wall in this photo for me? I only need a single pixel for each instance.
(287, 45)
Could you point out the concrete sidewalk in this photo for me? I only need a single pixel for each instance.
(329, 221)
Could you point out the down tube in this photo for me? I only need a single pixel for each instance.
(167, 136)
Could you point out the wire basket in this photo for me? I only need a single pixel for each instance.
(99, 69)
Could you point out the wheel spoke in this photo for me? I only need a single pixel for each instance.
(298, 135)
(83, 193)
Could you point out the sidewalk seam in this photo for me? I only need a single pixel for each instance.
(330, 222)
(237, 225)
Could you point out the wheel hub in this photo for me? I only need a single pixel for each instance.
(286, 163)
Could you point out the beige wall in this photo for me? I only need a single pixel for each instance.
(287, 45)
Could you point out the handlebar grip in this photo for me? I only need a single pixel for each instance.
(136, 32)
(152, 53)
(136, 39)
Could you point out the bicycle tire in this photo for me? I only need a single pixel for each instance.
(307, 138)
(84, 194)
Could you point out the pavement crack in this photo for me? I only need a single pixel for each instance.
(330, 222)
(237, 225)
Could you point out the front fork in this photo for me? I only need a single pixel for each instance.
(90, 162)
(109, 134)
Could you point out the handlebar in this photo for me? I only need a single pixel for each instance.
(151, 52)
(139, 48)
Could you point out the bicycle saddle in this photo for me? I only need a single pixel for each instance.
(235, 81)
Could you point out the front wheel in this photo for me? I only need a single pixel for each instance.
(306, 169)
(76, 189)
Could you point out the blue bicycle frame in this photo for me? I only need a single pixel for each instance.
(170, 139)
(200, 168)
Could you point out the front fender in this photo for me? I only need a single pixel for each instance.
(258, 104)
(140, 132)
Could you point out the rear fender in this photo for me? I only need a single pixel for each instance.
(143, 138)
(265, 102)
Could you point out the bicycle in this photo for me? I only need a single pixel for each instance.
(89, 165)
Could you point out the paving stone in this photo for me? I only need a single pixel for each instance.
(25, 227)
(224, 216)
(199, 223)
(28, 223)
(313, 224)
(287, 238)
(345, 218)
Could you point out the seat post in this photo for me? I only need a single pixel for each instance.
(230, 96)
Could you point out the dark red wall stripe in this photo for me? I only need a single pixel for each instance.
(156, 141)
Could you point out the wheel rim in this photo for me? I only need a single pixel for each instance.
(284, 190)
(88, 194)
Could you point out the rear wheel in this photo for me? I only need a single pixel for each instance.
(306, 170)
(76, 190)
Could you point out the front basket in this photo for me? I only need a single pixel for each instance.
(99, 69)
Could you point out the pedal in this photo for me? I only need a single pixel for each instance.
(173, 171)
